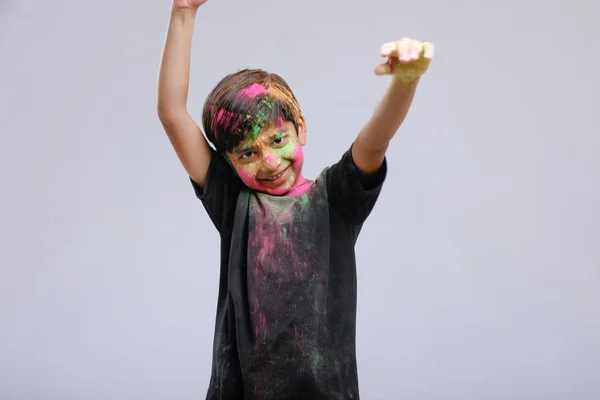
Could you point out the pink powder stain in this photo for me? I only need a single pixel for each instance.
(262, 323)
(262, 188)
(252, 91)
(261, 326)
(297, 339)
(258, 185)
(228, 120)
(281, 122)
(269, 158)
(267, 247)
(301, 185)
(298, 155)
(248, 179)
(267, 243)
(296, 188)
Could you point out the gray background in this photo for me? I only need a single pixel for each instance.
(479, 270)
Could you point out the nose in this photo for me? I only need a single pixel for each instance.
(270, 159)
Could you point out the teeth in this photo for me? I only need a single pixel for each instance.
(276, 176)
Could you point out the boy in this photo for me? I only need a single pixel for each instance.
(286, 311)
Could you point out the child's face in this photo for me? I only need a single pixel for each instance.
(272, 163)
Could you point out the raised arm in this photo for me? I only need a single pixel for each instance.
(186, 137)
(407, 61)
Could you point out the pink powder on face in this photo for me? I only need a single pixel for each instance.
(300, 187)
(296, 185)
(298, 157)
(269, 158)
(249, 180)
(263, 188)
(252, 91)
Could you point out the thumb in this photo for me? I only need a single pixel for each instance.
(383, 69)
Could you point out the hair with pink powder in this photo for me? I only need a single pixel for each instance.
(243, 104)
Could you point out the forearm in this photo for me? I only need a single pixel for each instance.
(174, 72)
(388, 116)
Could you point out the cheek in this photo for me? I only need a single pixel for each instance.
(246, 173)
(298, 155)
(293, 152)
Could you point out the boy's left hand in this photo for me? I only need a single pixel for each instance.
(408, 59)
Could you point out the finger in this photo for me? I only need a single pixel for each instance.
(383, 69)
(414, 49)
(403, 51)
(428, 50)
(388, 49)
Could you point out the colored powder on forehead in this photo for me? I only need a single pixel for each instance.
(252, 91)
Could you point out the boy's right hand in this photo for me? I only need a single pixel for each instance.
(186, 4)
(189, 142)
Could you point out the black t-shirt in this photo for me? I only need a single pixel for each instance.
(286, 312)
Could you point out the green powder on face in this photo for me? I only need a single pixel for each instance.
(284, 232)
(280, 135)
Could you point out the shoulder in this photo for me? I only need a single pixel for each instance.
(351, 193)
(345, 172)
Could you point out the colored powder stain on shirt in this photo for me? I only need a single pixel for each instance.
(292, 296)
(300, 191)
(316, 357)
(283, 245)
(304, 199)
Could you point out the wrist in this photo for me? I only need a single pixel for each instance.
(184, 12)
(404, 84)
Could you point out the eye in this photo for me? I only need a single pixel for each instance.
(280, 139)
(246, 155)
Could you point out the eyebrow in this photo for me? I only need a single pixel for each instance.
(243, 150)
(273, 135)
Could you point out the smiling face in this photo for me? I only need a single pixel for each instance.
(272, 162)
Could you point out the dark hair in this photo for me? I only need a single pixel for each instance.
(244, 103)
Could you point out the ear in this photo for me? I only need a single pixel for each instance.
(301, 130)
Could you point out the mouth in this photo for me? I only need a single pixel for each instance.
(276, 176)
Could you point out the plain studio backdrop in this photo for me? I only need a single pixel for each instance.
(479, 269)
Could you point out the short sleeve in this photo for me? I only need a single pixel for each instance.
(220, 192)
(351, 194)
